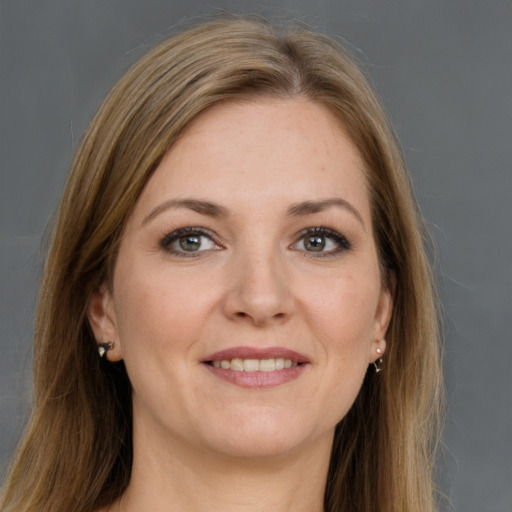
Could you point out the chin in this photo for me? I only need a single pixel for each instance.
(265, 438)
(258, 447)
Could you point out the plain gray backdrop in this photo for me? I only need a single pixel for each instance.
(443, 70)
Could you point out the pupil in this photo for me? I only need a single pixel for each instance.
(190, 243)
(314, 243)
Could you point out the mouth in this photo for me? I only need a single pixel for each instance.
(256, 367)
(238, 364)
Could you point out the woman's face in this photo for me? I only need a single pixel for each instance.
(247, 302)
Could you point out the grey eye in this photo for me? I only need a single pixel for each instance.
(315, 243)
(193, 243)
(322, 241)
(190, 242)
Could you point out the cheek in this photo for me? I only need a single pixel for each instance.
(152, 310)
(344, 315)
(159, 320)
(161, 312)
(342, 322)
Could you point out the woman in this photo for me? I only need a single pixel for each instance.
(236, 257)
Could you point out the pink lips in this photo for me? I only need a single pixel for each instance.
(257, 379)
(257, 353)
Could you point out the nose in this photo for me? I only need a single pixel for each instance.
(259, 290)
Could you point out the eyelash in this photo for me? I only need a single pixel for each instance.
(169, 239)
(343, 244)
(341, 241)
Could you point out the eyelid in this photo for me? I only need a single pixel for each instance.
(167, 240)
(344, 244)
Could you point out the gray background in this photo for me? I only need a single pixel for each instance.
(443, 70)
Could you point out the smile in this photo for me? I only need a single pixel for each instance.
(254, 365)
(257, 367)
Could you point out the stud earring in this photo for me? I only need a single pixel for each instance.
(378, 364)
(103, 348)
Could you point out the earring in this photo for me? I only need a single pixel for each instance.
(379, 363)
(103, 348)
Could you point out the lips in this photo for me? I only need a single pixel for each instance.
(257, 353)
(252, 367)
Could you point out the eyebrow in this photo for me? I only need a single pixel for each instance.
(310, 207)
(214, 210)
(202, 207)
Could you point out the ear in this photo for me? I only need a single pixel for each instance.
(101, 315)
(382, 318)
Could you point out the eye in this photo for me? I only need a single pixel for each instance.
(323, 241)
(188, 242)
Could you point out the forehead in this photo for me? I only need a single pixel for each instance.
(275, 150)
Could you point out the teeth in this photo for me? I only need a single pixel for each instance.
(254, 365)
(237, 364)
(267, 365)
(249, 365)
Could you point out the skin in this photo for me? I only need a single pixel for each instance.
(253, 282)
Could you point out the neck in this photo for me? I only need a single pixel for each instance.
(182, 478)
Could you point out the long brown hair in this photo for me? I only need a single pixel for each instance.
(76, 453)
